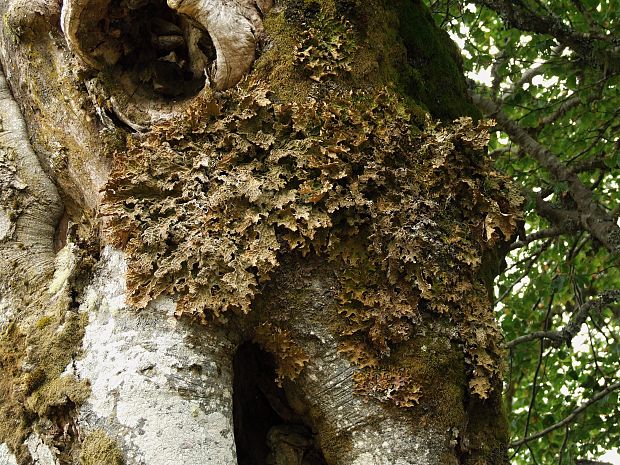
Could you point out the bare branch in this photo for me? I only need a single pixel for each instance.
(541, 356)
(596, 163)
(544, 234)
(600, 395)
(571, 329)
(592, 216)
(564, 108)
(554, 336)
(564, 443)
(526, 272)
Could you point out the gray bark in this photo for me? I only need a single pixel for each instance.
(352, 429)
(161, 387)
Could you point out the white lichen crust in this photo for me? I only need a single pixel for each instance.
(6, 457)
(160, 387)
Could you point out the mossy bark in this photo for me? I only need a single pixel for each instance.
(319, 208)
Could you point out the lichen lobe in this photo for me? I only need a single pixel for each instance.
(206, 205)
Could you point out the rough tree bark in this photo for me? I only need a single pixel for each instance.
(185, 182)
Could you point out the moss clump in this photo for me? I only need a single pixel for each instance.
(44, 321)
(13, 423)
(433, 74)
(363, 45)
(32, 360)
(59, 393)
(99, 449)
(300, 11)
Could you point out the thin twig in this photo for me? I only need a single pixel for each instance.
(536, 372)
(571, 329)
(563, 448)
(566, 421)
(543, 234)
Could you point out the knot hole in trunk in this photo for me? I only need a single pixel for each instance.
(267, 429)
(148, 47)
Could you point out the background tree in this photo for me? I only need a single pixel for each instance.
(548, 73)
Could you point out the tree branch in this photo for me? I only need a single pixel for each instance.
(598, 50)
(600, 395)
(554, 336)
(596, 163)
(531, 73)
(571, 329)
(564, 108)
(543, 234)
(592, 216)
(564, 219)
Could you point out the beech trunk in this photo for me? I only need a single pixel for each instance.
(165, 298)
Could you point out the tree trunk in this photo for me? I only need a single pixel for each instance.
(235, 232)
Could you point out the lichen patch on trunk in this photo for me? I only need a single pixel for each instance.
(205, 206)
(324, 151)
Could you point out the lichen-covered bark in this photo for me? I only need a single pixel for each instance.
(6, 457)
(154, 381)
(353, 429)
(233, 171)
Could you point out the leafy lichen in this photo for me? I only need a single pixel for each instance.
(396, 387)
(206, 205)
(290, 358)
(326, 48)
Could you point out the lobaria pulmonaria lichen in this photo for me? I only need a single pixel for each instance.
(326, 48)
(290, 358)
(207, 203)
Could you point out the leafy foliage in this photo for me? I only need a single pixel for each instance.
(564, 93)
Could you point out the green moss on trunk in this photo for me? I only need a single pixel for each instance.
(365, 45)
(100, 449)
(32, 360)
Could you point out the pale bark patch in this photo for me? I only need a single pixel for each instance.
(159, 387)
(6, 225)
(41, 454)
(6, 457)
